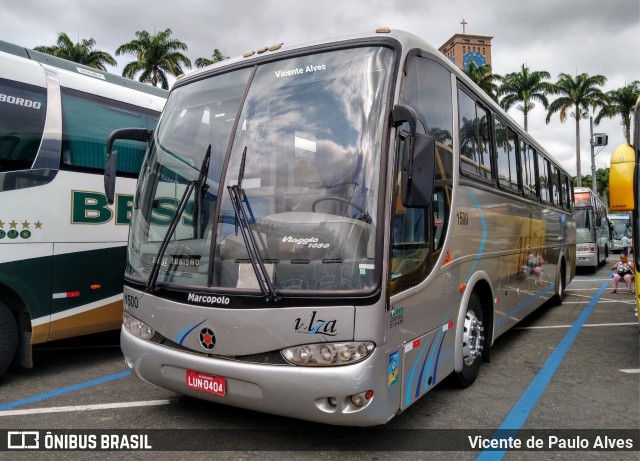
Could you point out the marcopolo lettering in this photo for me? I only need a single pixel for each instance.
(206, 299)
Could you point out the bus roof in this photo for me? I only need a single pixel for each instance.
(60, 63)
(407, 40)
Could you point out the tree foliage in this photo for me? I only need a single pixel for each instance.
(216, 56)
(620, 102)
(484, 78)
(81, 52)
(157, 55)
(575, 97)
(525, 87)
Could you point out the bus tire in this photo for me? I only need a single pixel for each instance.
(8, 337)
(472, 344)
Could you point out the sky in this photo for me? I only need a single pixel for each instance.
(596, 37)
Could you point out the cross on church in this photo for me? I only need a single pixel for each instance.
(464, 23)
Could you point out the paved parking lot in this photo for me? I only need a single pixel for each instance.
(575, 366)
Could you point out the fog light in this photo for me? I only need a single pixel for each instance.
(357, 400)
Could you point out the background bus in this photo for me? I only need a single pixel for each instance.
(62, 250)
(328, 231)
(624, 188)
(620, 226)
(593, 233)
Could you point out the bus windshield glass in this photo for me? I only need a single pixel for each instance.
(585, 227)
(620, 228)
(269, 173)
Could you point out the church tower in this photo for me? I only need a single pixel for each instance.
(461, 49)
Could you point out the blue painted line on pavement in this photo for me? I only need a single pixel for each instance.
(519, 413)
(64, 390)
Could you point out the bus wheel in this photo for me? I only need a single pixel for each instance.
(556, 300)
(472, 344)
(8, 337)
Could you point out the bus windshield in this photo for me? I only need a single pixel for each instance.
(270, 172)
(585, 227)
(620, 228)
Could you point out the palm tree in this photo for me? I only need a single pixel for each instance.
(484, 78)
(157, 55)
(602, 183)
(621, 102)
(216, 56)
(80, 52)
(577, 95)
(525, 87)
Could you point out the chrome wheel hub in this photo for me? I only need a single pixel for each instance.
(472, 338)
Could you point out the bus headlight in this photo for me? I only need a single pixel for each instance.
(137, 327)
(328, 354)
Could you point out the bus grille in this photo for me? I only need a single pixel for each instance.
(264, 358)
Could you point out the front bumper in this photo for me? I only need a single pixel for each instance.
(297, 392)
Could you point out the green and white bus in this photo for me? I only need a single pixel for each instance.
(62, 249)
(327, 231)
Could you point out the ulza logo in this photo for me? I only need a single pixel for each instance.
(207, 339)
(316, 326)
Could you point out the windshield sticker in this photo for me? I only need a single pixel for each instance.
(299, 70)
(316, 326)
(365, 267)
(310, 242)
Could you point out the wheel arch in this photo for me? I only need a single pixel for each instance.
(479, 283)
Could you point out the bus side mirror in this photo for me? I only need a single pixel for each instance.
(418, 161)
(133, 134)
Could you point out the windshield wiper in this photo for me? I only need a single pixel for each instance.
(191, 185)
(201, 190)
(236, 193)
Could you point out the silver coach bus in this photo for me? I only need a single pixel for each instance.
(327, 231)
(593, 232)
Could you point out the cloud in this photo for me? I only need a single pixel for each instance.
(558, 36)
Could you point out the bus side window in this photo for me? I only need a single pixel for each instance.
(544, 179)
(87, 120)
(475, 142)
(506, 156)
(22, 128)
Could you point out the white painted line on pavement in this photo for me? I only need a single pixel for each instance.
(584, 326)
(103, 406)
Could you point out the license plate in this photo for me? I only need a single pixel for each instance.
(206, 383)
